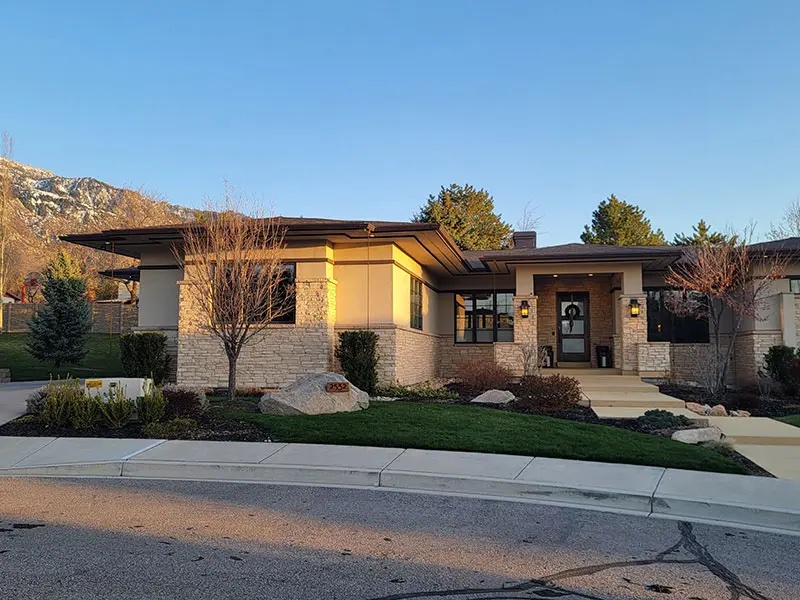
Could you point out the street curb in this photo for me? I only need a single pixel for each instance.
(739, 501)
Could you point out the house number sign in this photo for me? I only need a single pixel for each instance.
(337, 387)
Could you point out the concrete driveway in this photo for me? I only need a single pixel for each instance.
(12, 398)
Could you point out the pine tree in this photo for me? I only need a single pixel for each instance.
(63, 266)
(57, 334)
(468, 216)
(617, 223)
(701, 234)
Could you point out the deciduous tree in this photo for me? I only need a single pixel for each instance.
(467, 214)
(617, 223)
(724, 283)
(234, 276)
(789, 226)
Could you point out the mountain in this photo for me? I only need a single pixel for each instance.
(52, 205)
(46, 205)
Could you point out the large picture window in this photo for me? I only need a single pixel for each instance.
(484, 317)
(665, 326)
(416, 303)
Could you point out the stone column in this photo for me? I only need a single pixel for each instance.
(511, 354)
(633, 332)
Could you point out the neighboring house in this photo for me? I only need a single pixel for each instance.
(9, 298)
(437, 308)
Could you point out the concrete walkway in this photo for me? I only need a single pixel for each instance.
(754, 502)
(12, 398)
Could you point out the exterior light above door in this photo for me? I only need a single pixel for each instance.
(634, 306)
(524, 309)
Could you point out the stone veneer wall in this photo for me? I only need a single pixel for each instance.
(655, 358)
(418, 355)
(511, 354)
(275, 357)
(749, 351)
(455, 357)
(797, 316)
(634, 333)
(601, 323)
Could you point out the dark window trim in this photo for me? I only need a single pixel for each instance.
(673, 317)
(792, 278)
(416, 321)
(475, 321)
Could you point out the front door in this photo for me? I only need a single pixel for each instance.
(573, 326)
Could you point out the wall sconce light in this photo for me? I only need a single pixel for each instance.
(634, 306)
(524, 309)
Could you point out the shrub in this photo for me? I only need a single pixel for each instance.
(184, 402)
(151, 407)
(84, 411)
(144, 355)
(478, 376)
(358, 355)
(654, 420)
(176, 428)
(35, 402)
(549, 392)
(778, 361)
(60, 398)
(55, 412)
(405, 391)
(116, 409)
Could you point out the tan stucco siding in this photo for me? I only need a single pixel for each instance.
(158, 290)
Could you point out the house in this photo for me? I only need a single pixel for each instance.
(437, 308)
(10, 298)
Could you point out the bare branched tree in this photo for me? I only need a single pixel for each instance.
(529, 220)
(6, 197)
(724, 283)
(234, 276)
(790, 226)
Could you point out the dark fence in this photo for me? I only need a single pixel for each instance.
(112, 317)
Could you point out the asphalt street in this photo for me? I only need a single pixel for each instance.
(100, 539)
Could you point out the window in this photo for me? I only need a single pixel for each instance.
(794, 285)
(284, 297)
(416, 303)
(665, 326)
(484, 317)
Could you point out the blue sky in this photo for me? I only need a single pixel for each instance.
(362, 109)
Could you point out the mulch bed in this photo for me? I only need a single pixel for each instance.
(737, 400)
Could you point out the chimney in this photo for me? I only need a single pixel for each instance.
(524, 239)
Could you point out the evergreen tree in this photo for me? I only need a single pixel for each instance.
(57, 334)
(617, 223)
(468, 216)
(63, 266)
(701, 235)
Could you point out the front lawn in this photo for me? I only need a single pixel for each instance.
(102, 359)
(474, 429)
(791, 420)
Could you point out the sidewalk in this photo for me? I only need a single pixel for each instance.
(735, 500)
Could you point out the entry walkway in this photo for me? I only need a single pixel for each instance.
(771, 444)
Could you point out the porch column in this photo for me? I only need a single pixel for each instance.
(511, 355)
(633, 331)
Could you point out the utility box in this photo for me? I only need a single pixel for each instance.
(132, 387)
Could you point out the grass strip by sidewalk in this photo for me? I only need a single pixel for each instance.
(791, 420)
(474, 429)
(102, 359)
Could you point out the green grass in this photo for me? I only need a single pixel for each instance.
(791, 420)
(102, 359)
(449, 427)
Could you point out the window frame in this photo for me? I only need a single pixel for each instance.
(792, 279)
(474, 328)
(416, 286)
(670, 337)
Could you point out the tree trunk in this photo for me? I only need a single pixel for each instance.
(233, 357)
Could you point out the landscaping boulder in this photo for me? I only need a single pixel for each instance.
(698, 408)
(308, 396)
(494, 397)
(739, 413)
(697, 436)
(718, 411)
